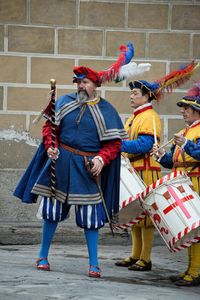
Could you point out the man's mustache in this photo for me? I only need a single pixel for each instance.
(83, 95)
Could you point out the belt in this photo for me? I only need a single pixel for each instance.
(186, 164)
(138, 157)
(76, 151)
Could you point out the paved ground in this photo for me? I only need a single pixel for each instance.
(19, 279)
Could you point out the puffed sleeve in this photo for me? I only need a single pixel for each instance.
(46, 134)
(109, 150)
(193, 149)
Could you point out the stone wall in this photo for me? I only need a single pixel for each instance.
(44, 39)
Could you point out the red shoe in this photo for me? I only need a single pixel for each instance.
(45, 267)
(94, 274)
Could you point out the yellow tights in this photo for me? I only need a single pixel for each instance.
(142, 241)
(194, 260)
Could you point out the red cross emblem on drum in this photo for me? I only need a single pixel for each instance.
(174, 208)
(178, 202)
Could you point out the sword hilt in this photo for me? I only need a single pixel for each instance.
(89, 165)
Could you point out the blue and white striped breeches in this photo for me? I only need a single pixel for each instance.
(87, 216)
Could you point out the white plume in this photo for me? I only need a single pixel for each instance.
(131, 70)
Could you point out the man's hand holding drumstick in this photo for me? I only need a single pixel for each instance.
(159, 152)
(155, 153)
(179, 139)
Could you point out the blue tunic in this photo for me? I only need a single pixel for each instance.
(99, 122)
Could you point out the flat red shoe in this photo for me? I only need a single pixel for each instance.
(45, 267)
(94, 274)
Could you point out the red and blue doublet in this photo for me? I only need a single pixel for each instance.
(86, 129)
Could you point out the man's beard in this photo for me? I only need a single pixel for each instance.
(82, 96)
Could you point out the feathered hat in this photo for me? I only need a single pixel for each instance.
(122, 69)
(192, 98)
(167, 83)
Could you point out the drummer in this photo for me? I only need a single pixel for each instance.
(144, 129)
(141, 139)
(185, 155)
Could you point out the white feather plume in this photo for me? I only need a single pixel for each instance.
(131, 70)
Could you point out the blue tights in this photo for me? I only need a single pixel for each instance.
(48, 231)
(91, 236)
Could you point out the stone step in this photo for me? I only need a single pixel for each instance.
(30, 233)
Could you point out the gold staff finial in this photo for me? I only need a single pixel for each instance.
(53, 82)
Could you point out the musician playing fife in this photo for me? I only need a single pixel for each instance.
(185, 155)
(141, 139)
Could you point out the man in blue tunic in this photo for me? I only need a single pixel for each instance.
(86, 126)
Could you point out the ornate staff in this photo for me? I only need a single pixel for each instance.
(53, 136)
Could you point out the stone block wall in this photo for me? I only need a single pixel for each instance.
(44, 39)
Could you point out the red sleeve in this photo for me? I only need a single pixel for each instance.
(109, 150)
(46, 134)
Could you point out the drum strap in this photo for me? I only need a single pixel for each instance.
(183, 158)
(186, 164)
(138, 157)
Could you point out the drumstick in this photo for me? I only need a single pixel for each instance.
(154, 131)
(170, 141)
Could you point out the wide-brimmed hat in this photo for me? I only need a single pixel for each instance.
(192, 98)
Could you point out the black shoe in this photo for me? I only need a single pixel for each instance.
(126, 263)
(141, 265)
(177, 277)
(193, 281)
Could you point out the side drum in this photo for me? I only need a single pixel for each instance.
(174, 208)
(131, 185)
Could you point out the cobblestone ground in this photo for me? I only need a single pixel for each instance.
(68, 279)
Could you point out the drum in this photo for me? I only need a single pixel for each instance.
(131, 185)
(174, 208)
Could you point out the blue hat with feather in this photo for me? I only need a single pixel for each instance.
(168, 83)
(192, 98)
(146, 87)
